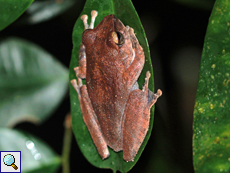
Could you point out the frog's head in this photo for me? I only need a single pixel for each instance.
(109, 31)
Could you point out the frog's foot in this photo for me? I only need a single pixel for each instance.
(152, 98)
(137, 117)
(84, 18)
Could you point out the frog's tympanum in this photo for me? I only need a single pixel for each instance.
(115, 111)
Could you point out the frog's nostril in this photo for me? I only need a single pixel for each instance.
(115, 18)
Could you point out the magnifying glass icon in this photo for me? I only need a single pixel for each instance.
(9, 160)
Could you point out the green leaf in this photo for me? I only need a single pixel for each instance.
(36, 156)
(32, 82)
(211, 140)
(124, 10)
(10, 10)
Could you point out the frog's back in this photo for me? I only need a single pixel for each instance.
(108, 97)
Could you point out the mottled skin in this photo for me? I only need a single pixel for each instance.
(115, 110)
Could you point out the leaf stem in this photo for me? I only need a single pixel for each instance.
(66, 144)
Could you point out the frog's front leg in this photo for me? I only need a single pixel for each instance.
(81, 70)
(136, 119)
(90, 117)
(132, 73)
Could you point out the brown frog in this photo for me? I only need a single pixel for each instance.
(115, 111)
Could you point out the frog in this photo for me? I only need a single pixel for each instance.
(114, 109)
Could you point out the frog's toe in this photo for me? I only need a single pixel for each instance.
(75, 85)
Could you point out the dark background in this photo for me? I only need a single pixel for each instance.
(175, 33)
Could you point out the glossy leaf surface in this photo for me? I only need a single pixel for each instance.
(36, 156)
(32, 82)
(211, 138)
(124, 10)
(10, 10)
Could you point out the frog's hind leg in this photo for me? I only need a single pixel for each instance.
(90, 118)
(137, 117)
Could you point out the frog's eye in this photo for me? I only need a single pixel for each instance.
(118, 38)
